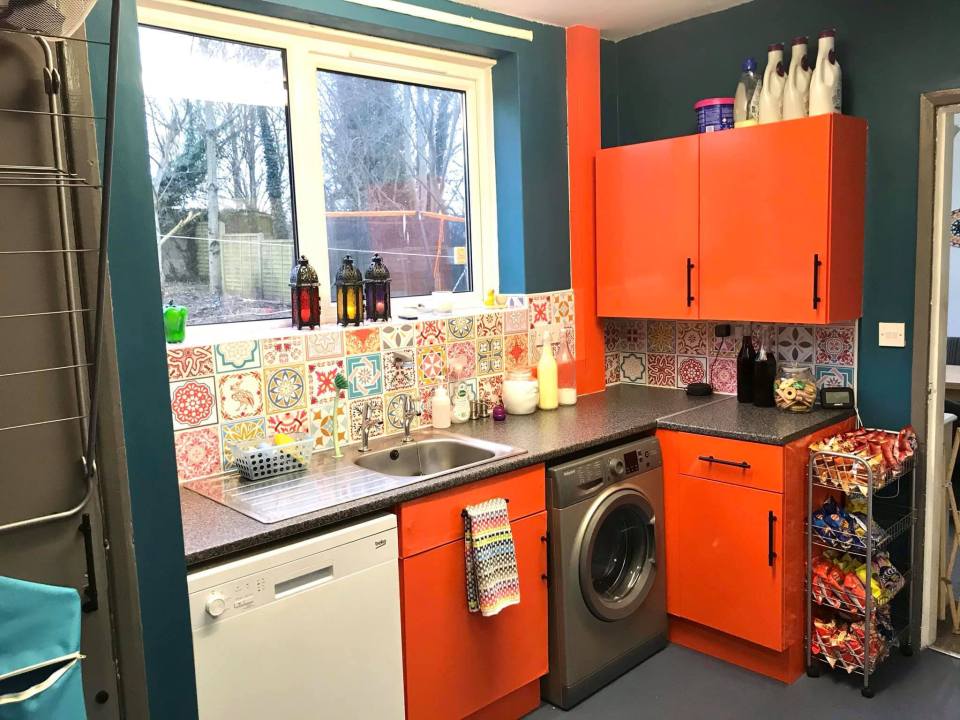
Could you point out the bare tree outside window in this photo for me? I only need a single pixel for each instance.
(394, 163)
(219, 158)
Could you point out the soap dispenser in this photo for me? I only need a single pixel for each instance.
(461, 405)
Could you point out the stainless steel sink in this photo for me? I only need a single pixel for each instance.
(432, 455)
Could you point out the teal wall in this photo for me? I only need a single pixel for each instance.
(890, 52)
(531, 157)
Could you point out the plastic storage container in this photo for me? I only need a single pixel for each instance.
(714, 114)
(795, 388)
(521, 392)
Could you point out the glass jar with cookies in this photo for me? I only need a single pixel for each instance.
(795, 389)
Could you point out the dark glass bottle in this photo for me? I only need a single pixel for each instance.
(764, 374)
(745, 362)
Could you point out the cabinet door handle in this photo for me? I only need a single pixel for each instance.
(771, 553)
(690, 267)
(816, 280)
(711, 459)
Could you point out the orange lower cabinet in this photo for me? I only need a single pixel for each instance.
(458, 663)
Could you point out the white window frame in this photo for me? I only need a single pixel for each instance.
(310, 48)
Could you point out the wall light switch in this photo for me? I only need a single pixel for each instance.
(893, 335)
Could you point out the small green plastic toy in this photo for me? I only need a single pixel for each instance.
(175, 322)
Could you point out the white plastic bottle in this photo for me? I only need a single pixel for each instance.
(547, 376)
(460, 412)
(774, 78)
(441, 408)
(746, 101)
(825, 85)
(796, 94)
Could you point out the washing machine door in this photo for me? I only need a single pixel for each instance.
(618, 555)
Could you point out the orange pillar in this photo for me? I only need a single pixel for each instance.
(583, 140)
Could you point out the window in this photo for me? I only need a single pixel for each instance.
(270, 139)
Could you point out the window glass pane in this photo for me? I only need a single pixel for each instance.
(219, 159)
(395, 180)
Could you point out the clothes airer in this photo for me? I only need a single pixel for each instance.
(340, 382)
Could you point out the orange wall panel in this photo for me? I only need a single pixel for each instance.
(583, 130)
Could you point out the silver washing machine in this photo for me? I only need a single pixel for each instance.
(608, 602)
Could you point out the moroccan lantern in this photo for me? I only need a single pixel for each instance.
(304, 295)
(349, 294)
(376, 288)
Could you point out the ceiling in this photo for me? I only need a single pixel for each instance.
(616, 19)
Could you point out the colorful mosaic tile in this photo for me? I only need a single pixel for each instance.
(239, 355)
(834, 376)
(461, 360)
(184, 363)
(294, 421)
(611, 336)
(237, 432)
(431, 332)
(691, 338)
(835, 345)
(515, 320)
(611, 368)
(661, 370)
(723, 375)
(394, 411)
(490, 388)
(286, 388)
(320, 378)
(459, 328)
(426, 403)
(563, 312)
(633, 368)
(722, 347)
(322, 423)
(541, 310)
(240, 395)
(376, 417)
(431, 365)
(364, 375)
(323, 344)
(489, 324)
(362, 341)
(633, 335)
(282, 351)
(691, 370)
(398, 335)
(516, 351)
(661, 336)
(193, 403)
(795, 343)
(399, 370)
(516, 301)
(490, 356)
(198, 452)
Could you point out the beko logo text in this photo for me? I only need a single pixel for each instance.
(379, 544)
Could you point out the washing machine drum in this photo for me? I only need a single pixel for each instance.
(618, 555)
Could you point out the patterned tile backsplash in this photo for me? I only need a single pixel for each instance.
(250, 389)
(674, 353)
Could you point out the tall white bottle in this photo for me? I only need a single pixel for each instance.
(774, 79)
(826, 84)
(796, 94)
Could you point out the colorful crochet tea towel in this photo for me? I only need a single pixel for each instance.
(491, 559)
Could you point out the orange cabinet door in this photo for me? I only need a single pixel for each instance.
(719, 569)
(764, 222)
(647, 210)
(457, 662)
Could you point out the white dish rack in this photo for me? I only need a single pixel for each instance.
(258, 460)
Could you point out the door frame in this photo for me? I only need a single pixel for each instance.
(929, 353)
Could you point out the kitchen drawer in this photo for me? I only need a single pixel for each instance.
(731, 461)
(434, 520)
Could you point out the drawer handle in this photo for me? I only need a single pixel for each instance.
(711, 459)
(690, 267)
(771, 553)
(816, 281)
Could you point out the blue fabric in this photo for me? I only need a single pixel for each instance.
(38, 624)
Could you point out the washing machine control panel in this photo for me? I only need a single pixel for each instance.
(578, 479)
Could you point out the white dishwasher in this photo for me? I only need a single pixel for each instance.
(308, 630)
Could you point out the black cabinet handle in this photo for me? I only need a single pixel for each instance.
(711, 459)
(91, 600)
(816, 280)
(690, 267)
(771, 553)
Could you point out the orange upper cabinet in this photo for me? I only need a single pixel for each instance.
(647, 225)
(781, 221)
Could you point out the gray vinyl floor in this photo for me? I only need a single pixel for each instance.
(684, 685)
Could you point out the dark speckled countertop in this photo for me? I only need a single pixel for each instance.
(213, 531)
